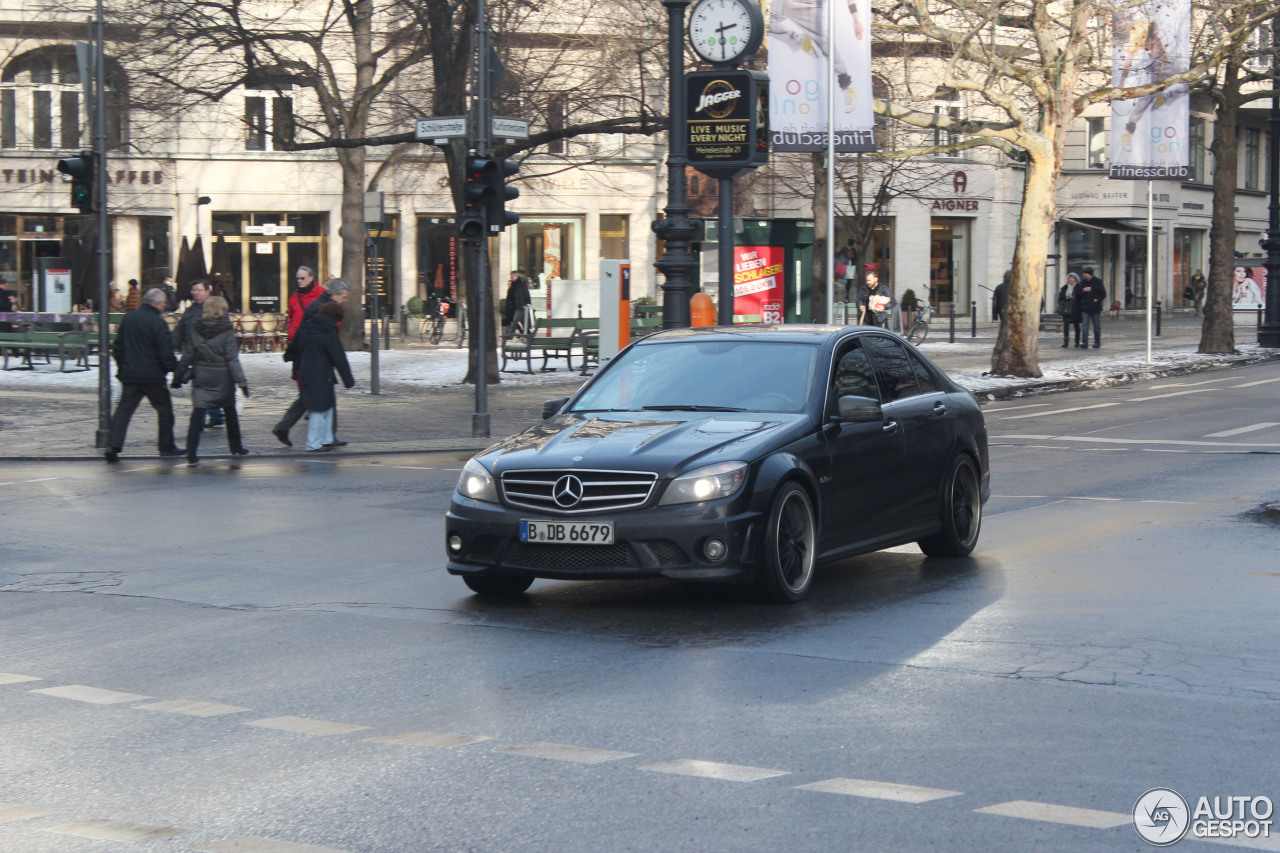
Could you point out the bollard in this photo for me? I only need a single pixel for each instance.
(973, 319)
(951, 309)
(1158, 306)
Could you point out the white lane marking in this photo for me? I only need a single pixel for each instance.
(563, 752)
(715, 770)
(412, 467)
(1087, 498)
(1051, 813)
(10, 678)
(24, 482)
(1166, 396)
(1188, 384)
(1019, 496)
(253, 844)
(1272, 843)
(17, 811)
(192, 708)
(1174, 441)
(117, 830)
(305, 725)
(878, 790)
(428, 739)
(1059, 411)
(1015, 408)
(96, 695)
(1251, 384)
(1227, 433)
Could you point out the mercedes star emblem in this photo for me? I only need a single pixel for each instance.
(567, 491)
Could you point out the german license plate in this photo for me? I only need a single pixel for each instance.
(567, 532)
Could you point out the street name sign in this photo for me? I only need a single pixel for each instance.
(438, 130)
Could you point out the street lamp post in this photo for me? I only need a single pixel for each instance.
(1269, 332)
(676, 231)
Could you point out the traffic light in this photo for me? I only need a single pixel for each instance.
(80, 169)
(474, 198)
(500, 194)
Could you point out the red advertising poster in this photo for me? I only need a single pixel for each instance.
(757, 282)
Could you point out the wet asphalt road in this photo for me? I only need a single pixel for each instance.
(1116, 631)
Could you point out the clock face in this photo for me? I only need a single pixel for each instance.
(725, 31)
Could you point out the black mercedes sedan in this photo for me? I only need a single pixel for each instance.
(745, 454)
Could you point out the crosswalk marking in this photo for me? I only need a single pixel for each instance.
(96, 695)
(879, 790)
(1172, 394)
(1251, 384)
(1050, 813)
(305, 725)
(715, 770)
(428, 739)
(562, 752)
(192, 708)
(1227, 433)
(252, 844)
(1095, 439)
(10, 678)
(117, 830)
(17, 811)
(1058, 411)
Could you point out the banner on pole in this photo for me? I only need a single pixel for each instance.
(1150, 135)
(799, 75)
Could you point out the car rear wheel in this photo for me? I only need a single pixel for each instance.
(497, 586)
(787, 568)
(961, 513)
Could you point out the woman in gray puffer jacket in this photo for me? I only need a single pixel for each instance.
(214, 357)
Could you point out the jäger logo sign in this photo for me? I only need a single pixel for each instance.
(718, 99)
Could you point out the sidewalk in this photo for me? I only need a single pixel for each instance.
(424, 407)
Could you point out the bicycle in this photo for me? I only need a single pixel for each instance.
(920, 325)
(438, 309)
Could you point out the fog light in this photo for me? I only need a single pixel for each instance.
(455, 543)
(714, 550)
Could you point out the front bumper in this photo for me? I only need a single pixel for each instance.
(649, 542)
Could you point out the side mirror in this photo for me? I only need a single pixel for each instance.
(859, 410)
(551, 407)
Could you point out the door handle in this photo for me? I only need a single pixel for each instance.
(890, 426)
(939, 409)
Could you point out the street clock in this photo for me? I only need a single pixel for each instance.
(726, 32)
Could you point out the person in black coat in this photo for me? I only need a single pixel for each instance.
(213, 356)
(517, 299)
(1069, 308)
(320, 353)
(336, 291)
(143, 350)
(1091, 296)
(182, 336)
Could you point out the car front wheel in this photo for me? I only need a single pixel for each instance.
(497, 586)
(961, 512)
(790, 547)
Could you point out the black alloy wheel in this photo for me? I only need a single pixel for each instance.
(790, 547)
(961, 512)
(497, 586)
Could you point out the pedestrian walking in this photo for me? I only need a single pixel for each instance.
(875, 300)
(517, 299)
(170, 294)
(320, 354)
(133, 300)
(143, 350)
(1069, 308)
(308, 292)
(211, 362)
(846, 271)
(1091, 297)
(200, 291)
(1000, 297)
(1195, 290)
(6, 304)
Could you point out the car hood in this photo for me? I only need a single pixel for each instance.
(666, 443)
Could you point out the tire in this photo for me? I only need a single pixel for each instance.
(497, 586)
(960, 513)
(790, 547)
(918, 333)
(437, 332)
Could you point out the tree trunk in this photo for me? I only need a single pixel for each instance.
(353, 235)
(1017, 350)
(1217, 333)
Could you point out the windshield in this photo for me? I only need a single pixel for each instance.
(706, 375)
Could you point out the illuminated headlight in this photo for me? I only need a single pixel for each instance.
(477, 483)
(705, 484)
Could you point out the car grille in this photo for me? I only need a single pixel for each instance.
(577, 491)
(570, 557)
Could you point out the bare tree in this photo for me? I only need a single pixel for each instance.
(1037, 64)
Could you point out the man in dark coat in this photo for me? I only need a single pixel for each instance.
(143, 350)
(6, 304)
(334, 290)
(1092, 296)
(1000, 297)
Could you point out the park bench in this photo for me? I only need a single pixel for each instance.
(68, 346)
(552, 338)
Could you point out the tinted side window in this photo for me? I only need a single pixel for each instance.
(854, 375)
(924, 376)
(893, 367)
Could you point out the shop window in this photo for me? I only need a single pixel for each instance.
(1195, 158)
(613, 236)
(1096, 136)
(1252, 158)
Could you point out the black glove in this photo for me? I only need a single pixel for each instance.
(175, 383)
(245, 389)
